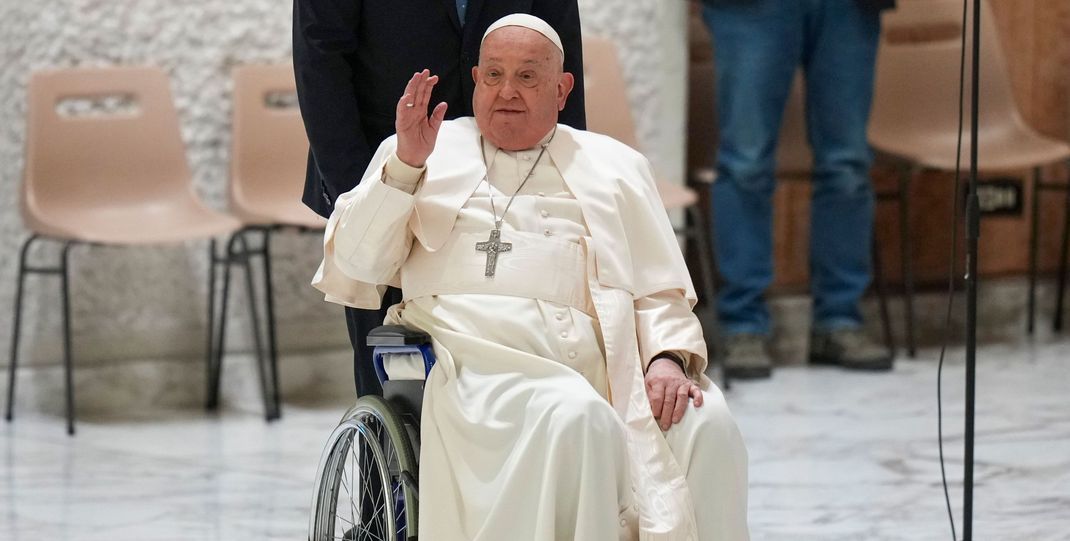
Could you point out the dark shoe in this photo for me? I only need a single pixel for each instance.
(745, 357)
(849, 348)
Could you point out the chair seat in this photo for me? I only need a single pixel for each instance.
(278, 212)
(1004, 149)
(175, 220)
(675, 196)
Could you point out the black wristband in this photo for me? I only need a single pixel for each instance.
(672, 357)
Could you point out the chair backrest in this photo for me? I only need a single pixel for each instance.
(605, 91)
(101, 136)
(917, 83)
(269, 148)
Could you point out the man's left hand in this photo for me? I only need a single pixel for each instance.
(669, 389)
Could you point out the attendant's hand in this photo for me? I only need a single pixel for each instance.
(668, 389)
(416, 131)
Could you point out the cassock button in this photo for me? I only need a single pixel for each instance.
(548, 233)
(572, 355)
(623, 523)
(560, 317)
(564, 334)
(542, 194)
(545, 214)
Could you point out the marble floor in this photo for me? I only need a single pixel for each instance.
(834, 456)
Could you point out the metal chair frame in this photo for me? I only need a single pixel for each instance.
(233, 256)
(241, 249)
(1039, 186)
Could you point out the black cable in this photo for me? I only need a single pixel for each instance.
(951, 273)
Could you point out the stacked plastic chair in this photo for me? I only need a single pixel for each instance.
(111, 178)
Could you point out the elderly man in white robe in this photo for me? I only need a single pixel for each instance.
(569, 401)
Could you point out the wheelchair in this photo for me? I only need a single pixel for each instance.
(367, 481)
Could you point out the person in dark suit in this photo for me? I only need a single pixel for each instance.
(353, 58)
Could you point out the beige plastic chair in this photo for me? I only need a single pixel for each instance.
(915, 115)
(269, 150)
(105, 177)
(609, 113)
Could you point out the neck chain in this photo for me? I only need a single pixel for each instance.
(494, 245)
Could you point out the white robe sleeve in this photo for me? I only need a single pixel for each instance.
(664, 322)
(371, 236)
(368, 237)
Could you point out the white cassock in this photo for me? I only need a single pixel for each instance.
(536, 423)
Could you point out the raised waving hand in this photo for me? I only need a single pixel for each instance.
(417, 132)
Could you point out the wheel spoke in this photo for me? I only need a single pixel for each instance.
(354, 449)
(380, 502)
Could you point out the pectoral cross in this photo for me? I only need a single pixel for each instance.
(493, 246)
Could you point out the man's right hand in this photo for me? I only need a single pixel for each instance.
(416, 131)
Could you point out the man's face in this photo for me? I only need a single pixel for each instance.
(520, 87)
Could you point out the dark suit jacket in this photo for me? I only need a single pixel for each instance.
(353, 58)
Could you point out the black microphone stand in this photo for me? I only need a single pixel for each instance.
(972, 234)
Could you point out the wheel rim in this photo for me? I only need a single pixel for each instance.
(362, 487)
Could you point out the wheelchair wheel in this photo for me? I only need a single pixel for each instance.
(366, 483)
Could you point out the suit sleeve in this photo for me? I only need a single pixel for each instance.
(324, 35)
(564, 16)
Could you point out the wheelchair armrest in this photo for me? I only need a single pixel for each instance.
(397, 335)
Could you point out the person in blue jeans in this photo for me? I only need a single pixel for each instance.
(759, 45)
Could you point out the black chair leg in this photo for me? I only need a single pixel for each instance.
(1060, 295)
(1034, 219)
(68, 367)
(906, 245)
(16, 327)
(210, 354)
(254, 315)
(216, 369)
(273, 352)
(881, 284)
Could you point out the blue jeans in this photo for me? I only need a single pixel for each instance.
(759, 44)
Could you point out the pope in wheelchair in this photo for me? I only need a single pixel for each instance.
(545, 365)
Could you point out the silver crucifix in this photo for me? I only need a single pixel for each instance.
(493, 246)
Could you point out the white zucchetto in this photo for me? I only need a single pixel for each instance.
(530, 22)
